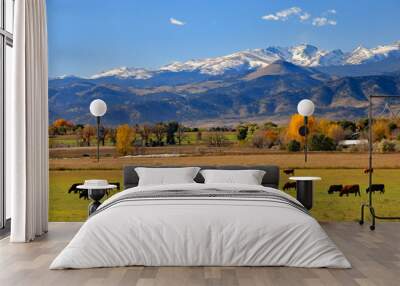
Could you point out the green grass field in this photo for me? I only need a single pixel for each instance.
(68, 207)
(71, 141)
(188, 139)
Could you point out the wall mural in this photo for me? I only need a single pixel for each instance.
(219, 84)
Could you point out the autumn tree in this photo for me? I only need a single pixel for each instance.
(124, 139)
(159, 131)
(258, 140)
(380, 130)
(336, 132)
(62, 122)
(111, 135)
(62, 126)
(348, 125)
(79, 136)
(145, 133)
(216, 139)
(88, 132)
(180, 134)
(323, 126)
(271, 136)
(296, 121)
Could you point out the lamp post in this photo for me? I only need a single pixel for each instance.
(305, 108)
(98, 108)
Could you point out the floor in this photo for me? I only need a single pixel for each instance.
(5, 231)
(375, 257)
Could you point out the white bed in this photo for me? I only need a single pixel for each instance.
(202, 231)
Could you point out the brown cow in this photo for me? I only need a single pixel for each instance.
(366, 171)
(289, 185)
(350, 189)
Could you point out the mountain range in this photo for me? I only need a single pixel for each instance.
(256, 85)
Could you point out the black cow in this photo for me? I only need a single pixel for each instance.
(73, 188)
(83, 194)
(377, 188)
(335, 189)
(289, 172)
(289, 185)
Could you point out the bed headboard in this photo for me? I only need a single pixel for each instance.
(271, 178)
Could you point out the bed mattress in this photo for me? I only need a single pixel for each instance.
(201, 225)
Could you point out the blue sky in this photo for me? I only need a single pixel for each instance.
(88, 36)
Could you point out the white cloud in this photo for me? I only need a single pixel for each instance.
(283, 15)
(323, 21)
(305, 16)
(176, 22)
(270, 17)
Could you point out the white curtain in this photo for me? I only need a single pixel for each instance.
(27, 124)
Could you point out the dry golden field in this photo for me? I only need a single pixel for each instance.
(331, 160)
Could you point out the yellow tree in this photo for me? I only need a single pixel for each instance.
(323, 126)
(380, 130)
(296, 121)
(124, 139)
(336, 132)
(271, 136)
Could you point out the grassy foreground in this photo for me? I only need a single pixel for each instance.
(68, 207)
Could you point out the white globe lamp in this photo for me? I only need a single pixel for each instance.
(98, 108)
(305, 108)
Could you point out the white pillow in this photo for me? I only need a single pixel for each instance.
(166, 176)
(248, 177)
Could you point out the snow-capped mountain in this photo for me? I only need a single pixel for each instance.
(364, 55)
(245, 60)
(311, 56)
(302, 55)
(249, 60)
(125, 72)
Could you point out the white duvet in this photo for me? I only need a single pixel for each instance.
(194, 231)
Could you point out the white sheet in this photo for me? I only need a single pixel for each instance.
(212, 231)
